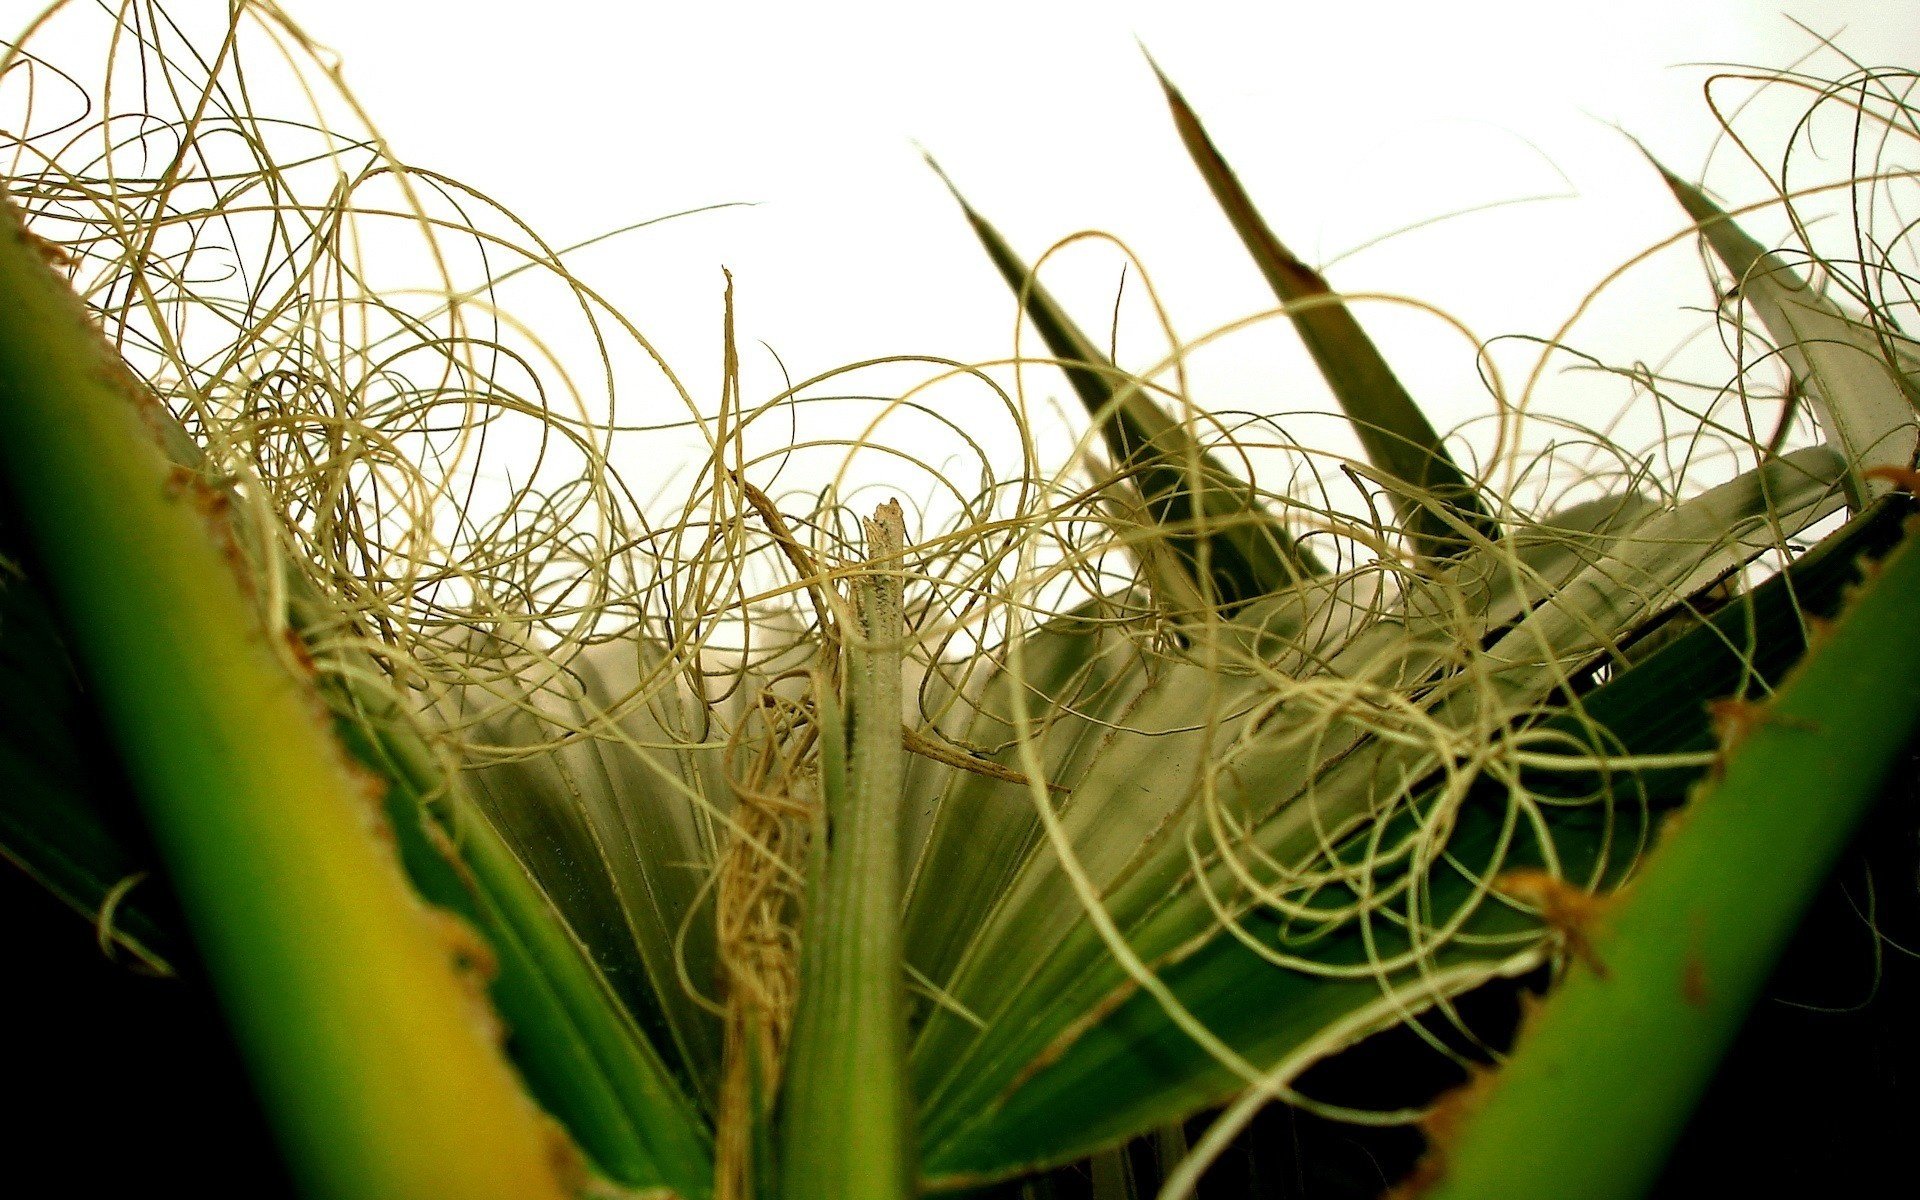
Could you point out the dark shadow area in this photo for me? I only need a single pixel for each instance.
(120, 1083)
(1819, 1095)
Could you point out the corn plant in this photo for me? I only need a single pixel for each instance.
(548, 831)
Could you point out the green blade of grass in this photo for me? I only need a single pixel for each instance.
(847, 1120)
(1398, 438)
(1862, 399)
(366, 1033)
(1233, 550)
(1604, 1075)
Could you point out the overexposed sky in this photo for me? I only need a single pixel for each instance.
(1346, 121)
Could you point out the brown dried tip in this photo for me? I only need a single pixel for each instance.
(54, 253)
(1734, 719)
(1442, 1126)
(1567, 910)
(886, 530)
(1905, 478)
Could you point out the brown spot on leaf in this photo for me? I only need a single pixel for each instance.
(471, 953)
(1693, 982)
(474, 965)
(297, 650)
(1734, 719)
(1676, 820)
(1905, 478)
(1570, 912)
(1443, 1126)
(51, 252)
(569, 1167)
(180, 481)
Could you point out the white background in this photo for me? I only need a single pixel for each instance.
(1345, 120)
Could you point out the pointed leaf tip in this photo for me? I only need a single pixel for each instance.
(1433, 497)
(1248, 552)
(1858, 388)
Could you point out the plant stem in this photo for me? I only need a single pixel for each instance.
(848, 1122)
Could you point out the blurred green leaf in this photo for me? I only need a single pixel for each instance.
(66, 811)
(1676, 960)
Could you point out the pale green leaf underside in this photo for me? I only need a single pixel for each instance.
(1860, 393)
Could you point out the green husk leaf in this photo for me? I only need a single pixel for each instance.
(583, 1055)
(1232, 550)
(361, 1024)
(1037, 969)
(984, 830)
(1683, 952)
(1146, 768)
(607, 825)
(1131, 1069)
(1398, 438)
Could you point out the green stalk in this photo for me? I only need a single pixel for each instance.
(1605, 1074)
(848, 1120)
(355, 1004)
(582, 1057)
